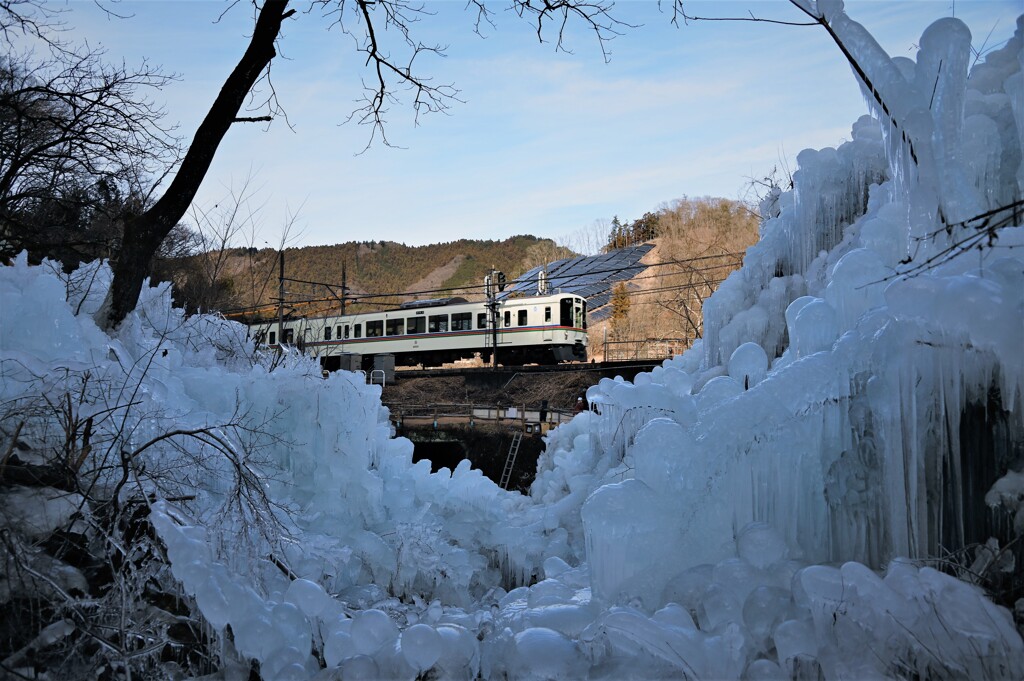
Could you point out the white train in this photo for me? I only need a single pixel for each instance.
(541, 329)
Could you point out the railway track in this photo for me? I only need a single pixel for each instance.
(627, 367)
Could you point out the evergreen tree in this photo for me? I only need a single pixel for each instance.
(620, 308)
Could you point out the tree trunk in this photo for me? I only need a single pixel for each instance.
(143, 234)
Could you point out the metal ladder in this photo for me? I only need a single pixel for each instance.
(510, 462)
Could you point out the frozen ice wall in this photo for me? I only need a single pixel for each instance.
(859, 384)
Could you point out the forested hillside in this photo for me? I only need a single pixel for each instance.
(377, 273)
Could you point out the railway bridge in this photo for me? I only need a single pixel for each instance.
(476, 413)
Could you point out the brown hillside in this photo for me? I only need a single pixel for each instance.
(436, 278)
(698, 242)
(377, 274)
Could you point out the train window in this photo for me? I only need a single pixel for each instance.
(437, 323)
(584, 308)
(481, 320)
(508, 318)
(547, 314)
(289, 336)
(396, 327)
(462, 321)
(358, 331)
(327, 332)
(375, 329)
(416, 325)
(342, 331)
(522, 318)
(565, 312)
(273, 337)
(578, 319)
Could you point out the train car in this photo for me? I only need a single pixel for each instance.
(540, 329)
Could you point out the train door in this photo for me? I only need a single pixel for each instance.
(547, 325)
(565, 312)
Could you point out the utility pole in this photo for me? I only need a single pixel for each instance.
(492, 305)
(494, 283)
(344, 288)
(280, 300)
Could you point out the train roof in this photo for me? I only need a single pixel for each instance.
(431, 302)
(414, 305)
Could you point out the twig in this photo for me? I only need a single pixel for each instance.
(10, 447)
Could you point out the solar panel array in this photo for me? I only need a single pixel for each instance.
(589, 276)
(601, 312)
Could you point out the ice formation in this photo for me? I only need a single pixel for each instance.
(755, 508)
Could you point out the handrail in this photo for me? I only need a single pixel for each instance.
(478, 411)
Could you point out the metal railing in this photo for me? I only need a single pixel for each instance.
(472, 414)
(644, 348)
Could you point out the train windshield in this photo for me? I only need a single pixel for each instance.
(573, 312)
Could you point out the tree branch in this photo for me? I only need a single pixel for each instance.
(143, 235)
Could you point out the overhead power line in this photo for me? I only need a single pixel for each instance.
(533, 280)
(371, 298)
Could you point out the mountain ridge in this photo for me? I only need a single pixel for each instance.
(375, 273)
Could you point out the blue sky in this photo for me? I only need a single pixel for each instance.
(545, 142)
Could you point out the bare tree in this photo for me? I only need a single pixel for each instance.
(373, 24)
(589, 239)
(213, 260)
(144, 233)
(35, 18)
(544, 252)
(703, 239)
(366, 20)
(689, 286)
(78, 142)
(219, 229)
